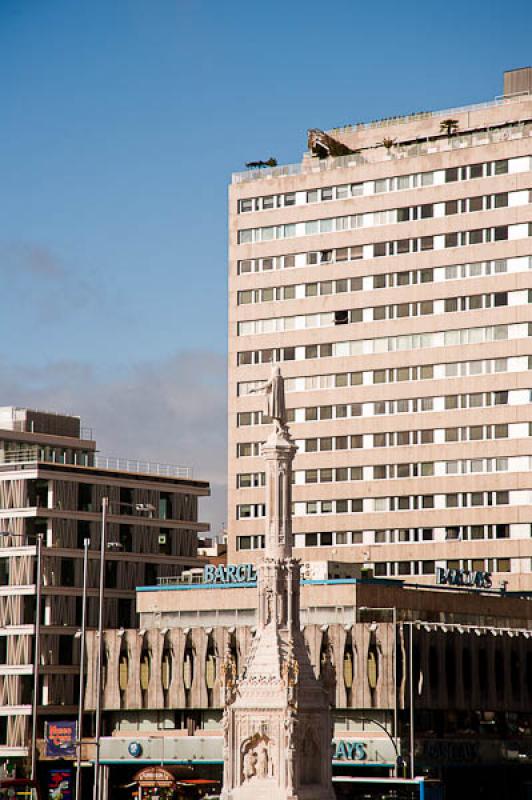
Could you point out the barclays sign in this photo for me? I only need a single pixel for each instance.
(229, 574)
(463, 577)
(198, 749)
(350, 750)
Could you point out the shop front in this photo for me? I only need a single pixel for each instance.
(162, 783)
(155, 783)
(480, 768)
(175, 767)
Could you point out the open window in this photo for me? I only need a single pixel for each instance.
(341, 317)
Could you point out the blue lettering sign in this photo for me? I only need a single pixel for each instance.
(340, 754)
(350, 750)
(231, 574)
(350, 747)
(208, 573)
(360, 751)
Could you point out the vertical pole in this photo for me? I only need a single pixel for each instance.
(86, 543)
(289, 583)
(99, 653)
(36, 657)
(395, 692)
(411, 682)
(105, 782)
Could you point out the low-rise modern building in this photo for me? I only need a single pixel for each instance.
(459, 658)
(52, 482)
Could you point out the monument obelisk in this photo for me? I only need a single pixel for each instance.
(277, 720)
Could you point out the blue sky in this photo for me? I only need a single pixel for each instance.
(120, 124)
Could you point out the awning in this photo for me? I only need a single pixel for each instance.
(196, 782)
(155, 778)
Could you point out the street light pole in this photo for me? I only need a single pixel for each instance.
(36, 657)
(393, 609)
(86, 543)
(411, 682)
(99, 653)
(140, 507)
(383, 729)
(395, 688)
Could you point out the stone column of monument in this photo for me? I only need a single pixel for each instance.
(277, 720)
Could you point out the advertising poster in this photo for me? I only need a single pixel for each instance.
(60, 784)
(61, 739)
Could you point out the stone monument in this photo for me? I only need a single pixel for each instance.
(277, 720)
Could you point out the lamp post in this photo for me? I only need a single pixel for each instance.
(384, 730)
(395, 692)
(99, 652)
(86, 543)
(36, 656)
(411, 703)
(140, 507)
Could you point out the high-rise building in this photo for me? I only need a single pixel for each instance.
(389, 272)
(52, 481)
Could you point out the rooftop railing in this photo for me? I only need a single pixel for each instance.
(179, 580)
(145, 467)
(33, 456)
(378, 153)
(502, 100)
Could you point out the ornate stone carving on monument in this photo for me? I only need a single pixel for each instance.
(277, 721)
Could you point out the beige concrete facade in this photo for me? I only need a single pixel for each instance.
(440, 344)
(471, 653)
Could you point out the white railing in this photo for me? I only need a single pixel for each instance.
(32, 456)
(445, 112)
(179, 580)
(146, 467)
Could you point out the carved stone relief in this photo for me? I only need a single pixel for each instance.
(256, 758)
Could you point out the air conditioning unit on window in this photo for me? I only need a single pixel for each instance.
(162, 538)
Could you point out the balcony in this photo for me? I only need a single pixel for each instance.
(32, 455)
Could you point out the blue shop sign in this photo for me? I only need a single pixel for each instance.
(350, 750)
(229, 573)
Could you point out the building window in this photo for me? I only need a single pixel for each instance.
(244, 542)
